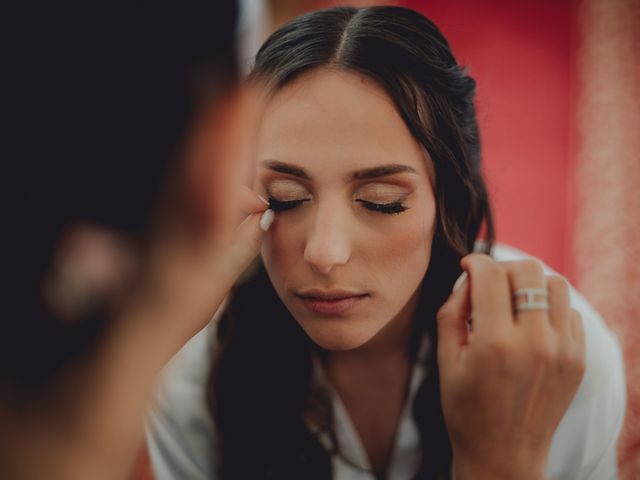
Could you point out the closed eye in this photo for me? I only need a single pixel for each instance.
(386, 208)
(281, 206)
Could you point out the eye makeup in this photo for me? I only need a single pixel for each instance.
(286, 195)
(387, 208)
(281, 206)
(289, 195)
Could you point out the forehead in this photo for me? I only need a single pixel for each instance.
(330, 121)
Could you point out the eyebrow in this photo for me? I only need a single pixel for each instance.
(364, 174)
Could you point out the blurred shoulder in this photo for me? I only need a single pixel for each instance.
(184, 376)
(180, 431)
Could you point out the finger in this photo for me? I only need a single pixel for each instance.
(452, 322)
(527, 274)
(534, 325)
(248, 237)
(459, 283)
(490, 295)
(559, 300)
(577, 329)
(251, 202)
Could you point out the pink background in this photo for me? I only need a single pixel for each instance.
(520, 54)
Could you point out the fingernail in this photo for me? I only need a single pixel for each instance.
(263, 199)
(266, 219)
(459, 281)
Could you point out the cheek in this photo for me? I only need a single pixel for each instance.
(404, 250)
(279, 252)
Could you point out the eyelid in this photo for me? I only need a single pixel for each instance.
(383, 190)
(383, 199)
(287, 197)
(295, 198)
(382, 193)
(285, 189)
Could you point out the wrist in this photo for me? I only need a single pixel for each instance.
(504, 468)
(171, 314)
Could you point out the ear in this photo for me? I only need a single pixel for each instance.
(91, 266)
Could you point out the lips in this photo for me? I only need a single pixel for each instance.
(332, 302)
(329, 294)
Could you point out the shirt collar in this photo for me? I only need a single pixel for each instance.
(407, 452)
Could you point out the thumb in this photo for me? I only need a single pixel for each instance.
(248, 238)
(452, 320)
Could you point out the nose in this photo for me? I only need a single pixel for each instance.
(328, 243)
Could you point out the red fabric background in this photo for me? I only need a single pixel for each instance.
(520, 55)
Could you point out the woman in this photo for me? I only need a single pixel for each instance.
(346, 354)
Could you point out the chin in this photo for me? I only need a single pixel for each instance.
(335, 336)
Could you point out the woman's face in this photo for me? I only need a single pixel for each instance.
(362, 211)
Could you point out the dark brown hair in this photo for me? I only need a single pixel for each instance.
(260, 384)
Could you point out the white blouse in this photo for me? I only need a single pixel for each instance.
(182, 442)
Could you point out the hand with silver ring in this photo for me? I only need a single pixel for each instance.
(507, 382)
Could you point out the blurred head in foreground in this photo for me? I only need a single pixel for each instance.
(99, 109)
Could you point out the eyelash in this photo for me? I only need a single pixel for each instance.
(386, 208)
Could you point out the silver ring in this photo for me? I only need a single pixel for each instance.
(530, 303)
